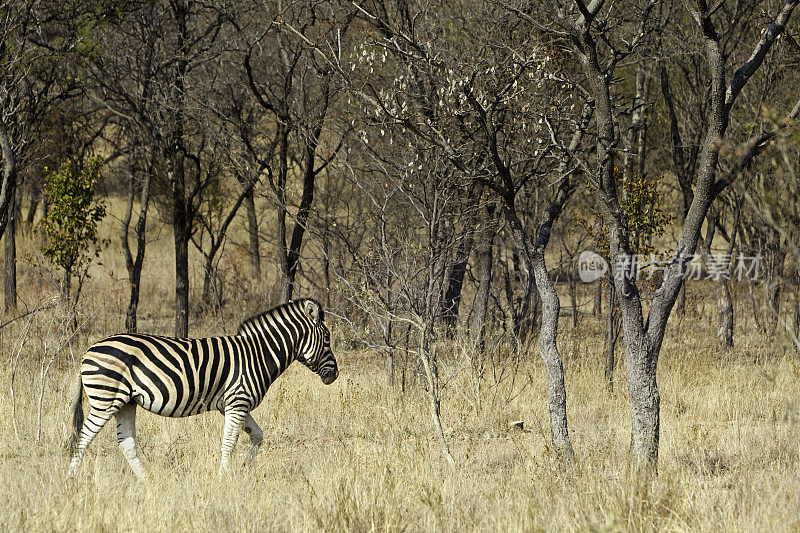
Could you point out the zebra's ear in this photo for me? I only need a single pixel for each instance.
(313, 310)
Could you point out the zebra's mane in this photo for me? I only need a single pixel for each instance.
(255, 318)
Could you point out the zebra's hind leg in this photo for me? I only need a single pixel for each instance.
(92, 425)
(126, 438)
(234, 418)
(256, 436)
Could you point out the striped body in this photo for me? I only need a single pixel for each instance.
(181, 377)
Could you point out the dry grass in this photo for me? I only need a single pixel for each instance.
(358, 455)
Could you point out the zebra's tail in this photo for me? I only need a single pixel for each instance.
(76, 409)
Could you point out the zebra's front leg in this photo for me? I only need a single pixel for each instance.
(234, 418)
(256, 436)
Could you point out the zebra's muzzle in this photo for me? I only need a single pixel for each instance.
(329, 377)
(329, 370)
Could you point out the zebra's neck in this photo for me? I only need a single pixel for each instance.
(273, 341)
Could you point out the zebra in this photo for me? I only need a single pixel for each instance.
(182, 377)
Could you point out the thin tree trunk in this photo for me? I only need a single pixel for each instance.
(772, 287)
(526, 317)
(8, 187)
(217, 240)
(134, 265)
(180, 209)
(641, 362)
(723, 293)
(454, 282)
(181, 238)
(680, 304)
(66, 283)
(326, 265)
(548, 334)
(211, 289)
(635, 138)
(283, 172)
(485, 262)
(306, 200)
(573, 299)
(434, 400)
(551, 305)
(252, 228)
(796, 317)
(725, 310)
(36, 195)
(597, 308)
(10, 279)
(296, 244)
(613, 326)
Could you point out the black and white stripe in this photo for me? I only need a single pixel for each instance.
(182, 377)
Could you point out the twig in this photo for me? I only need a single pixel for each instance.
(43, 308)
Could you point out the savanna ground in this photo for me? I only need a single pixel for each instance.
(359, 455)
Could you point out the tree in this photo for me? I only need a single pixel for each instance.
(297, 89)
(592, 33)
(134, 264)
(71, 225)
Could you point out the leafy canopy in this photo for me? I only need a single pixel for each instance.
(70, 226)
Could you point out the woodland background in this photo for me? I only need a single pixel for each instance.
(430, 171)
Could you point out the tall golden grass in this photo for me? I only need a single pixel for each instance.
(361, 456)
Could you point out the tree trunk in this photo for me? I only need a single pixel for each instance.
(8, 187)
(454, 282)
(252, 228)
(283, 172)
(573, 299)
(796, 318)
(641, 362)
(635, 138)
(722, 282)
(10, 280)
(326, 264)
(525, 317)
(181, 223)
(548, 334)
(775, 257)
(427, 359)
(181, 238)
(211, 290)
(66, 283)
(485, 261)
(210, 278)
(36, 195)
(551, 305)
(613, 326)
(725, 309)
(680, 304)
(597, 308)
(292, 255)
(134, 265)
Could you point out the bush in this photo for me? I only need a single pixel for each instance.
(70, 227)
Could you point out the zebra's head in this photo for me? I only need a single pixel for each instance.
(316, 351)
